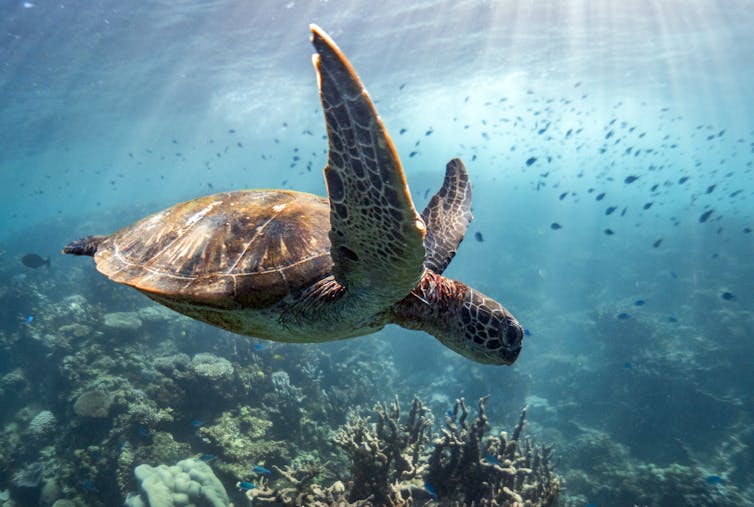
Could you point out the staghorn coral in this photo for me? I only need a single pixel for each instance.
(385, 452)
(501, 471)
(391, 465)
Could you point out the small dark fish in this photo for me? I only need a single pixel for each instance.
(710, 189)
(428, 132)
(478, 236)
(245, 486)
(196, 423)
(609, 232)
(563, 195)
(259, 469)
(705, 216)
(88, 485)
(527, 332)
(639, 302)
(402, 131)
(630, 179)
(412, 154)
(28, 319)
(682, 180)
(610, 210)
(648, 205)
(32, 260)
(672, 319)
(728, 296)
(402, 86)
(530, 160)
(600, 196)
(259, 347)
(231, 131)
(207, 457)
(450, 412)
(627, 365)
(555, 226)
(657, 243)
(623, 316)
(492, 459)
(714, 479)
(429, 489)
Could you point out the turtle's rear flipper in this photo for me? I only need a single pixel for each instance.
(84, 246)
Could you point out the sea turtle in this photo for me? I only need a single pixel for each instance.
(294, 267)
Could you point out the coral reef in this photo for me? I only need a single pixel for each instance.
(189, 482)
(391, 464)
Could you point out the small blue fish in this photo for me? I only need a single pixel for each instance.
(207, 457)
(28, 319)
(259, 469)
(714, 479)
(492, 459)
(628, 365)
(88, 485)
(429, 489)
(527, 332)
(623, 316)
(450, 412)
(259, 347)
(639, 302)
(196, 423)
(245, 486)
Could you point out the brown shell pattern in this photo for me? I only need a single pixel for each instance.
(247, 248)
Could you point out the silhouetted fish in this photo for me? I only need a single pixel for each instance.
(478, 236)
(705, 216)
(530, 160)
(32, 260)
(630, 179)
(728, 296)
(555, 226)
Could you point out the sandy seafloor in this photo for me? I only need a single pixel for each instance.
(610, 149)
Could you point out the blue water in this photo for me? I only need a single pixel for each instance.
(637, 124)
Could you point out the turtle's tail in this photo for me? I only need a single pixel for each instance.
(84, 246)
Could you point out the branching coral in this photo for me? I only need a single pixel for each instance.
(391, 465)
(501, 471)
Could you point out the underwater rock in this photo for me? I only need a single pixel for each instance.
(42, 424)
(93, 404)
(156, 313)
(124, 321)
(75, 330)
(189, 482)
(211, 367)
(50, 493)
(26, 483)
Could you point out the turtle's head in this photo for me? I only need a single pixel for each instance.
(463, 319)
(488, 332)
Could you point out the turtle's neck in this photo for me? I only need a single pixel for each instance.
(461, 318)
(431, 305)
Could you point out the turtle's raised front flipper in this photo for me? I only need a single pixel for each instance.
(84, 246)
(447, 216)
(377, 237)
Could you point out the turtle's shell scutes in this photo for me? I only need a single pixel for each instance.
(248, 249)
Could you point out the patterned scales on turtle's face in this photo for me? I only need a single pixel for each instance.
(290, 266)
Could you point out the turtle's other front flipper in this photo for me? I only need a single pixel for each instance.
(377, 237)
(447, 216)
(84, 246)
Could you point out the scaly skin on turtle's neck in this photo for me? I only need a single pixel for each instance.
(465, 320)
